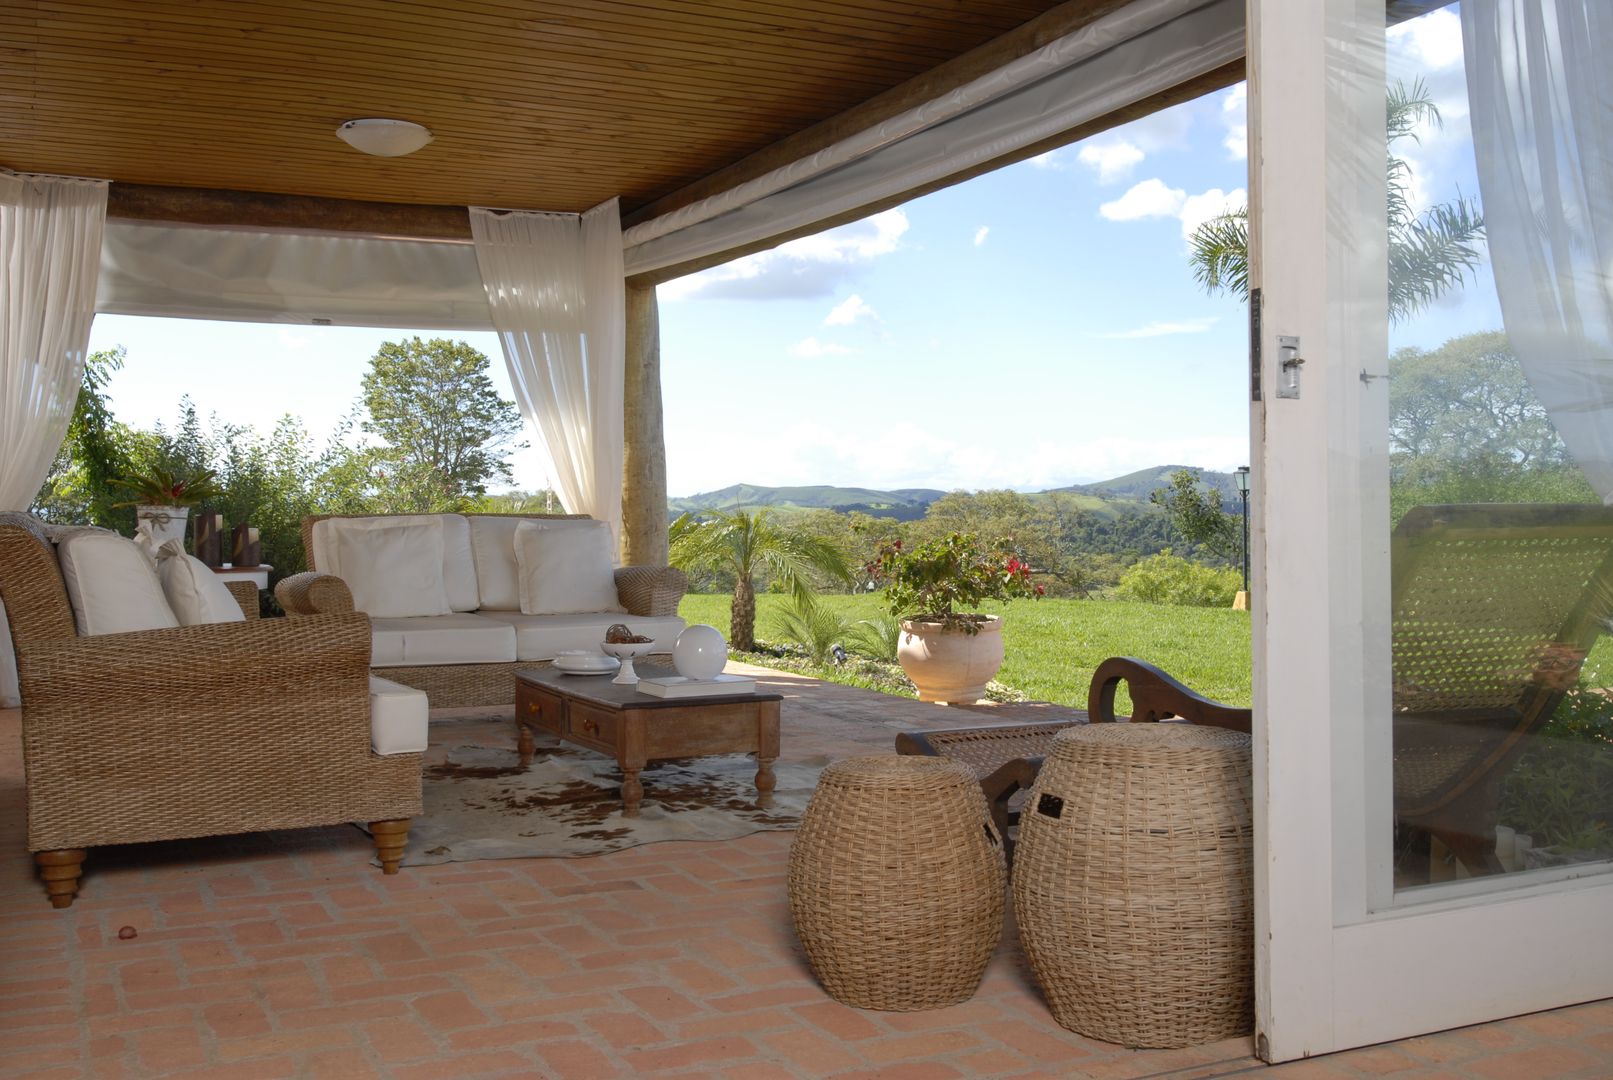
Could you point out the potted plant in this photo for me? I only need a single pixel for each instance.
(162, 500)
(949, 651)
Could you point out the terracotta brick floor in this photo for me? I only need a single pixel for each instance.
(289, 955)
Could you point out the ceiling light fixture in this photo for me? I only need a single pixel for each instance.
(383, 138)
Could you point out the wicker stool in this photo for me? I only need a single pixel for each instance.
(897, 882)
(1132, 883)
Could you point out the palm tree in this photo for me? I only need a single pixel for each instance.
(1429, 253)
(745, 545)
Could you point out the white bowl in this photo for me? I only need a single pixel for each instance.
(627, 649)
(585, 662)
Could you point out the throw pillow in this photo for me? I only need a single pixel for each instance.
(194, 592)
(458, 569)
(396, 571)
(565, 570)
(112, 585)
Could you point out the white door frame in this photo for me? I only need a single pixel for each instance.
(1340, 961)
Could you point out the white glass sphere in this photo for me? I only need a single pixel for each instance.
(700, 652)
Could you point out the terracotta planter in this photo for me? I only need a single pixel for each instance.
(948, 665)
(167, 522)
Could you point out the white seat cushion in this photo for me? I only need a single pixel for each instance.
(112, 585)
(398, 717)
(395, 571)
(194, 592)
(440, 639)
(541, 637)
(492, 542)
(565, 571)
(458, 568)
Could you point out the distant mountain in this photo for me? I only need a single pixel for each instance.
(904, 504)
(1140, 484)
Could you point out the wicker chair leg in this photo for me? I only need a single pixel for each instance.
(60, 870)
(391, 837)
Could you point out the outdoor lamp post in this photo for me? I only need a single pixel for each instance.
(1241, 478)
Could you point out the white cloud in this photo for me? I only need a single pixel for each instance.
(1234, 113)
(1050, 159)
(811, 348)
(1432, 41)
(849, 311)
(1197, 209)
(808, 267)
(980, 234)
(1111, 160)
(1161, 329)
(1150, 198)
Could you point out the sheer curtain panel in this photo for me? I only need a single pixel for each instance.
(1540, 87)
(555, 291)
(50, 253)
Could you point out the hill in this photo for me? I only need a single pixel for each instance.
(1139, 485)
(904, 504)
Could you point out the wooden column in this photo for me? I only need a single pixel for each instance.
(644, 512)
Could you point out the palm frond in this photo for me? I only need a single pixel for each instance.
(1432, 255)
(1220, 253)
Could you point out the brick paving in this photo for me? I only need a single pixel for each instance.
(289, 955)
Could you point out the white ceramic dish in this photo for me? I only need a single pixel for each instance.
(582, 662)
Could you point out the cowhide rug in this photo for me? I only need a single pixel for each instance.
(480, 803)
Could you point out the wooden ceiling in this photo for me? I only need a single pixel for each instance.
(542, 104)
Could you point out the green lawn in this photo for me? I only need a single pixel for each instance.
(1053, 646)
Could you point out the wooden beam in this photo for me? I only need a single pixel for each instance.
(1218, 79)
(1003, 49)
(644, 509)
(300, 213)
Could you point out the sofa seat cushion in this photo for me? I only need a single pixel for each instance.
(541, 637)
(398, 717)
(441, 639)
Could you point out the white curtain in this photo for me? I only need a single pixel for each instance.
(1540, 89)
(555, 290)
(50, 250)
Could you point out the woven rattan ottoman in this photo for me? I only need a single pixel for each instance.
(897, 882)
(1132, 883)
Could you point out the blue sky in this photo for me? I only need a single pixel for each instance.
(1032, 328)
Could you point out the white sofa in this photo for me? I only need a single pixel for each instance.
(458, 602)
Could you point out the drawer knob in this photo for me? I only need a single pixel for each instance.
(532, 707)
(590, 726)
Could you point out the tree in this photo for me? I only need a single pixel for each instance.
(1195, 511)
(447, 431)
(748, 545)
(1429, 253)
(81, 485)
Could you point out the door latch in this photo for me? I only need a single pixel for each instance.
(1289, 363)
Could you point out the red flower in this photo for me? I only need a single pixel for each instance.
(1013, 566)
(1041, 590)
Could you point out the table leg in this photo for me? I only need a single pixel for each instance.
(766, 781)
(523, 741)
(632, 792)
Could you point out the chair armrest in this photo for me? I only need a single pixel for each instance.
(313, 593)
(651, 590)
(1155, 695)
(246, 595)
(243, 663)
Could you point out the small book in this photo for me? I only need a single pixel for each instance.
(678, 686)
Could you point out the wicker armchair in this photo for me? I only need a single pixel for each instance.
(192, 731)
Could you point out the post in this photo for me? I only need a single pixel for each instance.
(1241, 477)
(644, 507)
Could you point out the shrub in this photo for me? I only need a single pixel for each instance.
(1170, 579)
(809, 624)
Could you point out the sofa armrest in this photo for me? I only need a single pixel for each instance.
(313, 593)
(244, 663)
(651, 590)
(245, 593)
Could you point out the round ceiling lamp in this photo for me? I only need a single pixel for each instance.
(383, 138)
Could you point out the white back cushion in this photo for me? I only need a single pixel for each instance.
(565, 570)
(395, 570)
(194, 592)
(492, 542)
(458, 568)
(112, 585)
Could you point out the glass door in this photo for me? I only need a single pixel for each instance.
(1432, 245)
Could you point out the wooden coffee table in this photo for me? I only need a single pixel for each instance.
(635, 728)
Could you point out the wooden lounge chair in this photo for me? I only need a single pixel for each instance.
(1495, 608)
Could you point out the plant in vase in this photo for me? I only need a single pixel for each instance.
(948, 650)
(162, 500)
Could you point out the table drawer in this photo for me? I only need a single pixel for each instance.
(586, 724)
(545, 710)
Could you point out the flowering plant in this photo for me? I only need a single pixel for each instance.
(163, 488)
(927, 582)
